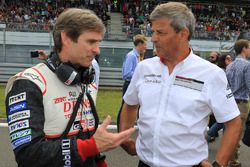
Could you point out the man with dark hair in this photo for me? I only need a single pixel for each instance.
(51, 106)
(238, 75)
(213, 57)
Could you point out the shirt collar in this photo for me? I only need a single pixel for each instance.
(136, 52)
(190, 53)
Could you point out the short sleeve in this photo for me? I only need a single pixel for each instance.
(221, 99)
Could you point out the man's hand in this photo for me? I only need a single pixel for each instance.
(42, 55)
(205, 163)
(106, 141)
(129, 146)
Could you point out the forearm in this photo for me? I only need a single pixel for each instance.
(229, 141)
(128, 116)
(127, 120)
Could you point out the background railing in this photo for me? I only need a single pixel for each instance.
(109, 77)
(198, 34)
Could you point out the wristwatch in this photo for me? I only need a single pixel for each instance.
(216, 164)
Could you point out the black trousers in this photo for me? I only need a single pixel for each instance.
(142, 164)
(124, 89)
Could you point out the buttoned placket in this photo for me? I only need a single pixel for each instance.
(166, 84)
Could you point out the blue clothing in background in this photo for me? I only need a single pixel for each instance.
(238, 75)
(129, 64)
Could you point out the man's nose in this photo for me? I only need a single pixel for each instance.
(154, 37)
(96, 49)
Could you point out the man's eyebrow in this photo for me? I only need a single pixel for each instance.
(93, 40)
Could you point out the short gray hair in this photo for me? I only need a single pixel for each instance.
(179, 14)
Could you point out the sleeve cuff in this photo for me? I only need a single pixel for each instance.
(87, 148)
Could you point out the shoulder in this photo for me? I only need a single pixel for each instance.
(202, 69)
(95, 65)
(131, 53)
(150, 63)
(35, 74)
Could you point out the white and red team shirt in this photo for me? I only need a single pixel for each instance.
(59, 100)
(174, 109)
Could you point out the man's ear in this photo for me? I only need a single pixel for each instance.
(66, 41)
(185, 33)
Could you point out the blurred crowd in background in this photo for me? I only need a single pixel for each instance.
(215, 21)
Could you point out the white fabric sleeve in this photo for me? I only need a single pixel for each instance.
(221, 99)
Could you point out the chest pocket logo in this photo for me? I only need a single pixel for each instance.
(189, 83)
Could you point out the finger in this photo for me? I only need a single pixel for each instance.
(42, 53)
(125, 135)
(205, 163)
(106, 122)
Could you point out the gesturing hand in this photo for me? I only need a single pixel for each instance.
(106, 140)
(205, 163)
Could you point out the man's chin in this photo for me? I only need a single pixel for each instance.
(86, 65)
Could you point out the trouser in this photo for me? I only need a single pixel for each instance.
(142, 164)
(124, 89)
(243, 107)
(213, 130)
(212, 120)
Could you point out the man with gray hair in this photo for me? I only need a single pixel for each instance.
(176, 92)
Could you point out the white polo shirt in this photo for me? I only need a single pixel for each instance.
(174, 109)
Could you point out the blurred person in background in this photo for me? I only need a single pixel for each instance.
(130, 62)
(213, 57)
(212, 133)
(238, 75)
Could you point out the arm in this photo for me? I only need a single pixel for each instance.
(247, 78)
(127, 119)
(35, 149)
(230, 141)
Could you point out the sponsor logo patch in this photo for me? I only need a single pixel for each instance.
(19, 115)
(76, 125)
(33, 76)
(17, 107)
(59, 99)
(189, 83)
(21, 141)
(152, 78)
(66, 152)
(20, 134)
(18, 125)
(17, 98)
(91, 123)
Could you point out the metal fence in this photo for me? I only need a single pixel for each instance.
(109, 77)
(128, 34)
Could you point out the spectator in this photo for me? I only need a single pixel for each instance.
(212, 133)
(130, 62)
(238, 75)
(214, 57)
